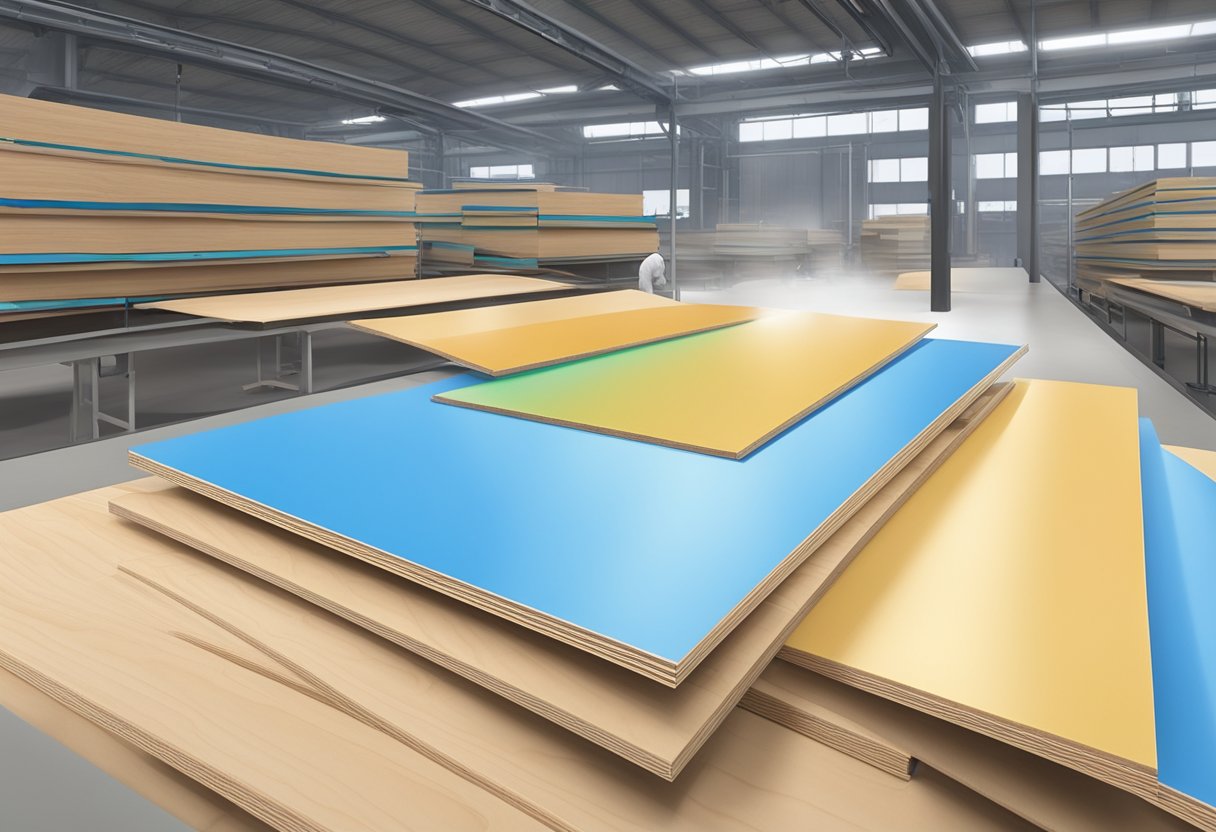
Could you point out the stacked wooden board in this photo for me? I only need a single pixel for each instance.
(526, 226)
(890, 245)
(1162, 230)
(302, 629)
(101, 205)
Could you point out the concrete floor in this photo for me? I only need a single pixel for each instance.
(35, 773)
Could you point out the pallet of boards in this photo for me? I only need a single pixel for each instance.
(1162, 230)
(97, 204)
(895, 244)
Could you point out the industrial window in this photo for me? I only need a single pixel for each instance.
(1203, 154)
(811, 127)
(891, 209)
(1203, 100)
(778, 130)
(912, 169)
(1171, 156)
(997, 206)
(1137, 158)
(1053, 162)
(658, 203)
(848, 124)
(996, 165)
(501, 172)
(623, 130)
(996, 113)
(1089, 160)
(884, 121)
(916, 118)
(840, 124)
(1004, 47)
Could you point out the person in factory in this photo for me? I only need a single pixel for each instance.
(652, 274)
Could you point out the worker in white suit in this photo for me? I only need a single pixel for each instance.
(652, 274)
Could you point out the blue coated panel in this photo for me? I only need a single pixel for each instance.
(641, 543)
(1180, 554)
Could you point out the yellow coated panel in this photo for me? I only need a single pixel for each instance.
(1012, 582)
(1205, 461)
(724, 393)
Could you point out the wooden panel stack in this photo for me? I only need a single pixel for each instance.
(1162, 230)
(527, 226)
(97, 206)
(890, 245)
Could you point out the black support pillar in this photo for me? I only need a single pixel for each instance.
(1028, 184)
(941, 201)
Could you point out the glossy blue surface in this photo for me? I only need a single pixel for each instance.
(641, 543)
(1180, 556)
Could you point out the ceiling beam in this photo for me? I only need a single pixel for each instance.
(590, 11)
(906, 34)
(730, 26)
(443, 10)
(939, 28)
(788, 22)
(190, 48)
(880, 40)
(1095, 19)
(655, 12)
(1017, 21)
(628, 74)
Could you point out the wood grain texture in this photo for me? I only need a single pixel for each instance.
(767, 375)
(1197, 293)
(184, 798)
(291, 304)
(653, 726)
(109, 649)
(1047, 794)
(528, 346)
(1031, 649)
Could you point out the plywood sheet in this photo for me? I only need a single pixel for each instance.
(724, 393)
(1200, 294)
(651, 725)
(965, 280)
(323, 301)
(1205, 461)
(111, 649)
(992, 568)
(1179, 501)
(655, 594)
(1044, 793)
(582, 333)
(187, 800)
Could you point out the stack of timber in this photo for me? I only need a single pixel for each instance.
(282, 629)
(1162, 230)
(97, 207)
(524, 227)
(890, 245)
(734, 251)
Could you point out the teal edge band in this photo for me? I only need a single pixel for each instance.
(195, 207)
(171, 256)
(178, 161)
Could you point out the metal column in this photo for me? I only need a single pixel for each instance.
(674, 134)
(941, 201)
(1028, 184)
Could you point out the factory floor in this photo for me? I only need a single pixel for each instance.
(997, 305)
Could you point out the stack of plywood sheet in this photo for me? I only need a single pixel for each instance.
(525, 226)
(890, 245)
(1162, 230)
(284, 620)
(101, 205)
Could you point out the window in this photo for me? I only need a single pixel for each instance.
(1053, 162)
(996, 113)
(751, 131)
(996, 165)
(624, 130)
(891, 209)
(658, 203)
(914, 119)
(1171, 156)
(1006, 47)
(778, 130)
(502, 172)
(1089, 160)
(497, 99)
(1137, 158)
(913, 169)
(997, 207)
(1203, 154)
(811, 127)
(848, 124)
(884, 121)
(1203, 99)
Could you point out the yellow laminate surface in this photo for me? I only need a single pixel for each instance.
(723, 393)
(1012, 583)
(351, 299)
(1205, 461)
(551, 332)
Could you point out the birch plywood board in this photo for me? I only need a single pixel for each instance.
(651, 725)
(585, 333)
(655, 595)
(1044, 793)
(545, 772)
(111, 649)
(724, 393)
(187, 800)
(992, 566)
(1179, 500)
(322, 301)
(1197, 293)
